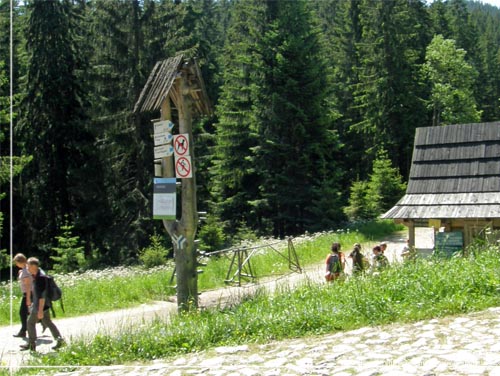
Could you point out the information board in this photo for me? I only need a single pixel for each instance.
(164, 198)
(446, 244)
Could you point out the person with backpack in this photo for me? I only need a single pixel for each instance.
(357, 259)
(40, 307)
(334, 263)
(379, 260)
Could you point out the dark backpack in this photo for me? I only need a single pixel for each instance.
(54, 293)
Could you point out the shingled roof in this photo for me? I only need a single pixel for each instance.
(455, 173)
(160, 84)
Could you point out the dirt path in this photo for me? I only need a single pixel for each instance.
(108, 322)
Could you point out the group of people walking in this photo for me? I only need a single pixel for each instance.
(35, 306)
(335, 262)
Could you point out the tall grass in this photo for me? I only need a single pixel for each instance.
(114, 288)
(402, 293)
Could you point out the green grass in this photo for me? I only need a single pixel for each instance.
(126, 287)
(402, 293)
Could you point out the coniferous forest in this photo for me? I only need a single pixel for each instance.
(315, 107)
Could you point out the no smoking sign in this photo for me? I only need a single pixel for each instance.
(183, 168)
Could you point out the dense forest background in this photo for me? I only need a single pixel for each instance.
(315, 107)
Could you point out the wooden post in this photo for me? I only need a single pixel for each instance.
(411, 234)
(185, 259)
(183, 231)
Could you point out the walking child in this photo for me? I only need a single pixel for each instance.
(334, 263)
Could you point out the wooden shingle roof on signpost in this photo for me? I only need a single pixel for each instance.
(455, 173)
(161, 84)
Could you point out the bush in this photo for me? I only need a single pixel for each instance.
(212, 235)
(155, 254)
(70, 255)
(358, 202)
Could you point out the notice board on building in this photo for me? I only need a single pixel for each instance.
(446, 244)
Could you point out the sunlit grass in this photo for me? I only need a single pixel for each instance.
(419, 290)
(121, 287)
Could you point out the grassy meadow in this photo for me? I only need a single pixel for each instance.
(408, 292)
(421, 289)
(138, 285)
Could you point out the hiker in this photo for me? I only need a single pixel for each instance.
(334, 263)
(24, 278)
(383, 247)
(408, 253)
(40, 308)
(357, 259)
(379, 260)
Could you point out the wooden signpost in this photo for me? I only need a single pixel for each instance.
(177, 83)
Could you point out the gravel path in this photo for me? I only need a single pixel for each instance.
(465, 345)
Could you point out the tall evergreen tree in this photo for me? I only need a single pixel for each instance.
(18, 21)
(486, 19)
(120, 65)
(18, 163)
(234, 175)
(64, 177)
(299, 180)
(390, 94)
(462, 29)
(439, 19)
(385, 186)
(342, 28)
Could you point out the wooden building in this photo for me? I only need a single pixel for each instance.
(454, 182)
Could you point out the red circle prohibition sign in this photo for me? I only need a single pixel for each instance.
(181, 145)
(182, 167)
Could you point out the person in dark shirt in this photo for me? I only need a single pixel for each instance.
(40, 308)
(379, 260)
(357, 259)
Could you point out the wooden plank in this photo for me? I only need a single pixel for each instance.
(450, 199)
(450, 134)
(163, 82)
(456, 152)
(444, 211)
(456, 169)
(454, 185)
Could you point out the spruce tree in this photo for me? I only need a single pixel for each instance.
(64, 176)
(120, 66)
(385, 186)
(486, 18)
(234, 174)
(342, 28)
(390, 91)
(299, 183)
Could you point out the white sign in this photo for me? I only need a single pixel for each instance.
(163, 138)
(163, 151)
(183, 167)
(181, 145)
(164, 198)
(164, 126)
